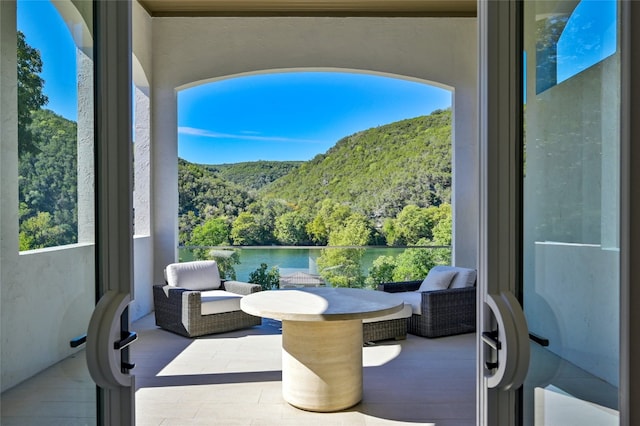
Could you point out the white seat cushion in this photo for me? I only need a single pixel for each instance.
(413, 299)
(465, 277)
(219, 301)
(196, 275)
(405, 312)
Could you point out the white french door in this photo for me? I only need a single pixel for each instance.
(554, 333)
(108, 336)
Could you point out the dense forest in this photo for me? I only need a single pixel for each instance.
(48, 214)
(380, 174)
(379, 171)
(388, 185)
(254, 175)
(47, 166)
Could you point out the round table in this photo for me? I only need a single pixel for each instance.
(321, 340)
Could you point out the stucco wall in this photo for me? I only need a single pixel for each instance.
(187, 51)
(142, 302)
(48, 296)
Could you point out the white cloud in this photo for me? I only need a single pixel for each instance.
(246, 135)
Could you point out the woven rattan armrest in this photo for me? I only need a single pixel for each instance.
(239, 287)
(179, 310)
(439, 299)
(446, 312)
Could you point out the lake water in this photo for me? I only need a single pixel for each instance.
(290, 260)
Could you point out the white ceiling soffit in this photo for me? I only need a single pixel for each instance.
(435, 8)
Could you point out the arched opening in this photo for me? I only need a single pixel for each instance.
(280, 155)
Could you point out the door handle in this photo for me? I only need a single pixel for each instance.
(105, 342)
(510, 342)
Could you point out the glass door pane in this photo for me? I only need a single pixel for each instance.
(571, 210)
(47, 212)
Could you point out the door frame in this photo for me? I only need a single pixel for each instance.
(499, 259)
(630, 210)
(114, 212)
(500, 223)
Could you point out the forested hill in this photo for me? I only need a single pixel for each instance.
(378, 171)
(48, 181)
(253, 175)
(396, 173)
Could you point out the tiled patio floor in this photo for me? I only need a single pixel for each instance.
(235, 379)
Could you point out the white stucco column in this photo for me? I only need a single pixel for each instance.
(464, 164)
(86, 180)
(165, 179)
(8, 133)
(142, 163)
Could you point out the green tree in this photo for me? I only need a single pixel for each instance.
(290, 228)
(266, 211)
(390, 233)
(214, 232)
(40, 232)
(30, 95)
(442, 232)
(225, 260)
(246, 231)
(268, 279)
(415, 263)
(331, 216)
(186, 223)
(412, 224)
(341, 266)
(381, 271)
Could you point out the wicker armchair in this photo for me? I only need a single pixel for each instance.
(440, 312)
(192, 285)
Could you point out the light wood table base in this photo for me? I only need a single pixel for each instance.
(321, 340)
(322, 364)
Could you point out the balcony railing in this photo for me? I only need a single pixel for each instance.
(337, 266)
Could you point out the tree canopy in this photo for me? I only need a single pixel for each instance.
(396, 177)
(48, 183)
(378, 171)
(30, 94)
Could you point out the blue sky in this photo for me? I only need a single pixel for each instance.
(292, 116)
(45, 30)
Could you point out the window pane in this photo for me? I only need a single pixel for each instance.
(571, 211)
(54, 135)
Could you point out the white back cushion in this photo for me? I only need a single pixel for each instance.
(437, 280)
(465, 277)
(196, 275)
